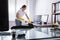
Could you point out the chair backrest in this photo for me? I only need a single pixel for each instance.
(41, 18)
(37, 18)
(45, 18)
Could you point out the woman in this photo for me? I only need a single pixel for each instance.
(20, 14)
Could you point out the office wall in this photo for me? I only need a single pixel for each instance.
(15, 5)
(44, 7)
(11, 5)
(19, 4)
(35, 7)
(32, 7)
(11, 9)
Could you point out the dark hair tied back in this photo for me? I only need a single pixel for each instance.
(24, 6)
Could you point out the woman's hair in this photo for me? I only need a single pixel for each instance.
(24, 6)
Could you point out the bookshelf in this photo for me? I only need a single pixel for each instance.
(55, 12)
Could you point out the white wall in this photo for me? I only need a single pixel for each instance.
(11, 5)
(44, 7)
(38, 7)
(32, 6)
(19, 4)
(15, 5)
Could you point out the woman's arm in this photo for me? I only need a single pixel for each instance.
(27, 18)
(19, 17)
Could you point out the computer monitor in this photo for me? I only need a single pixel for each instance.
(41, 18)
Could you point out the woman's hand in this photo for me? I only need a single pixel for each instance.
(29, 21)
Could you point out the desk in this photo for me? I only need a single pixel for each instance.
(26, 27)
(48, 26)
(45, 25)
(34, 25)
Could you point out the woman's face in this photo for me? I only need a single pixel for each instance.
(23, 9)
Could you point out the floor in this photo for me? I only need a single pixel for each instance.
(10, 38)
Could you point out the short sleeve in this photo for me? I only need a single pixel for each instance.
(18, 11)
